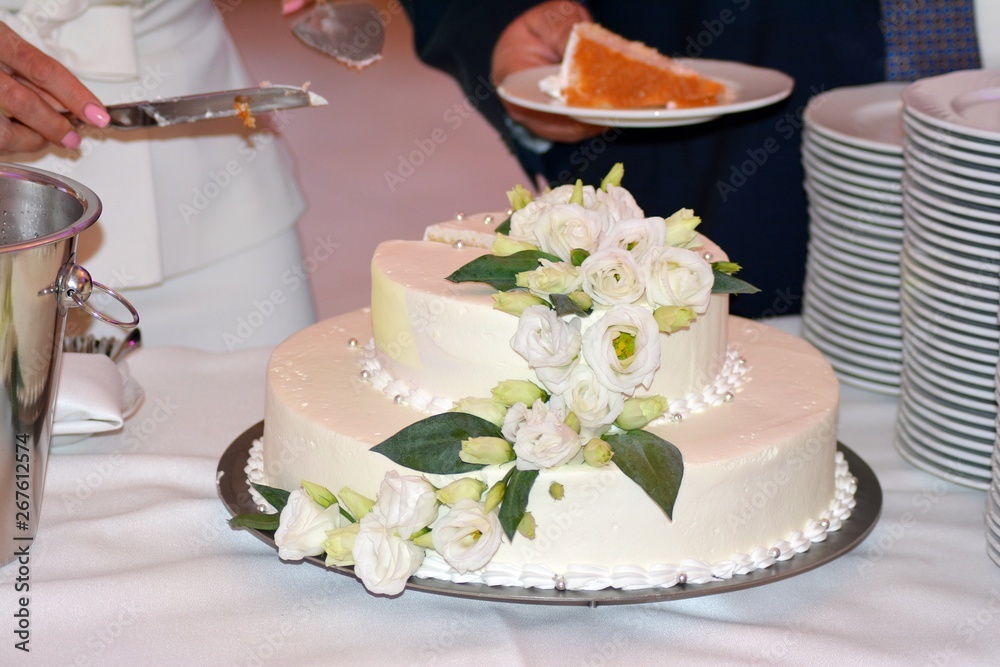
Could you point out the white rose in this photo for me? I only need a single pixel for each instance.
(545, 441)
(612, 277)
(554, 378)
(562, 228)
(303, 525)
(594, 405)
(516, 417)
(543, 339)
(619, 203)
(561, 195)
(678, 277)
(468, 536)
(551, 278)
(382, 559)
(623, 348)
(407, 503)
(636, 235)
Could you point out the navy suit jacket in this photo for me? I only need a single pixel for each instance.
(742, 173)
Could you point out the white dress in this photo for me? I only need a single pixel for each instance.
(207, 208)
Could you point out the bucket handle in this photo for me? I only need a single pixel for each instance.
(75, 286)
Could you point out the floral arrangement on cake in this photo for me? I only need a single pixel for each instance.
(573, 253)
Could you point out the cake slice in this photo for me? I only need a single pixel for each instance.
(603, 70)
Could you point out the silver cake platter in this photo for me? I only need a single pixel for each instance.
(231, 480)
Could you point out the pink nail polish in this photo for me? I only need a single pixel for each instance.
(290, 6)
(71, 140)
(96, 115)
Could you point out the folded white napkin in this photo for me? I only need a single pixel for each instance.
(92, 397)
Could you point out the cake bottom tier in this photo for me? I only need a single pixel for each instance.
(761, 480)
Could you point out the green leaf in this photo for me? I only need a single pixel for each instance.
(432, 444)
(564, 305)
(577, 255)
(278, 498)
(515, 500)
(504, 227)
(652, 463)
(256, 521)
(727, 284)
(500, 272)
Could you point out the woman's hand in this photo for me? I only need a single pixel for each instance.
(33, 87)
(536, 38)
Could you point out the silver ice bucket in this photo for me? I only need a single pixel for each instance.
(42, 215)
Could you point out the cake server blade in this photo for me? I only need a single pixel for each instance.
(351, 32)
(224, 104)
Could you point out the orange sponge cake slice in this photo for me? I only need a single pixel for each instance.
(606, 71)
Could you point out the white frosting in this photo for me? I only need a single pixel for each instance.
(756, 468)
(628, 577)
(447, 339)
(722, 389)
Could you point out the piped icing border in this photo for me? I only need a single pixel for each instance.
(579, 577)
(731, 378)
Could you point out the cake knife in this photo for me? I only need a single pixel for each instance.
(224, 104)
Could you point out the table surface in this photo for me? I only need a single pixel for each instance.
(135, 563)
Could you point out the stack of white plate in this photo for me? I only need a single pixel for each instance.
(950, 270)
(852, 153)
(993, 498)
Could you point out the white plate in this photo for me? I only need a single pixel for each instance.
(982, 298)
(949, 192)
(882, 204)
(978, 272)
(884, 347)
(834, 315)
(942, 149)
(856, 355)
(951, 415)
(949, 385)
(870, 245)
(851, 282)
(929, 133)
(828, 303)
(943, 451)
(917, 214)
(950, 173)
(913, 123)
(865, 116)
(903, 448)
(853, 189)
(850, 244)
(980, 414)
(955, 444)
(975, 375)
(753, 87)
(814, 165)
(949, 311)
(944, 325)
(868, 224)
(966, 216)
(967, 102)
(973, 253)
(849, 164)
(918, 445)
(850, 266)
(851, 292)
(863, 217)
(955, 352)
(827, 144)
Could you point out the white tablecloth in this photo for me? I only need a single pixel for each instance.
(135, 564)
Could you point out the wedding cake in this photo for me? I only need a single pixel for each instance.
(570, 408)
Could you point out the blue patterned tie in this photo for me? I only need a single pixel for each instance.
(928, 37)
